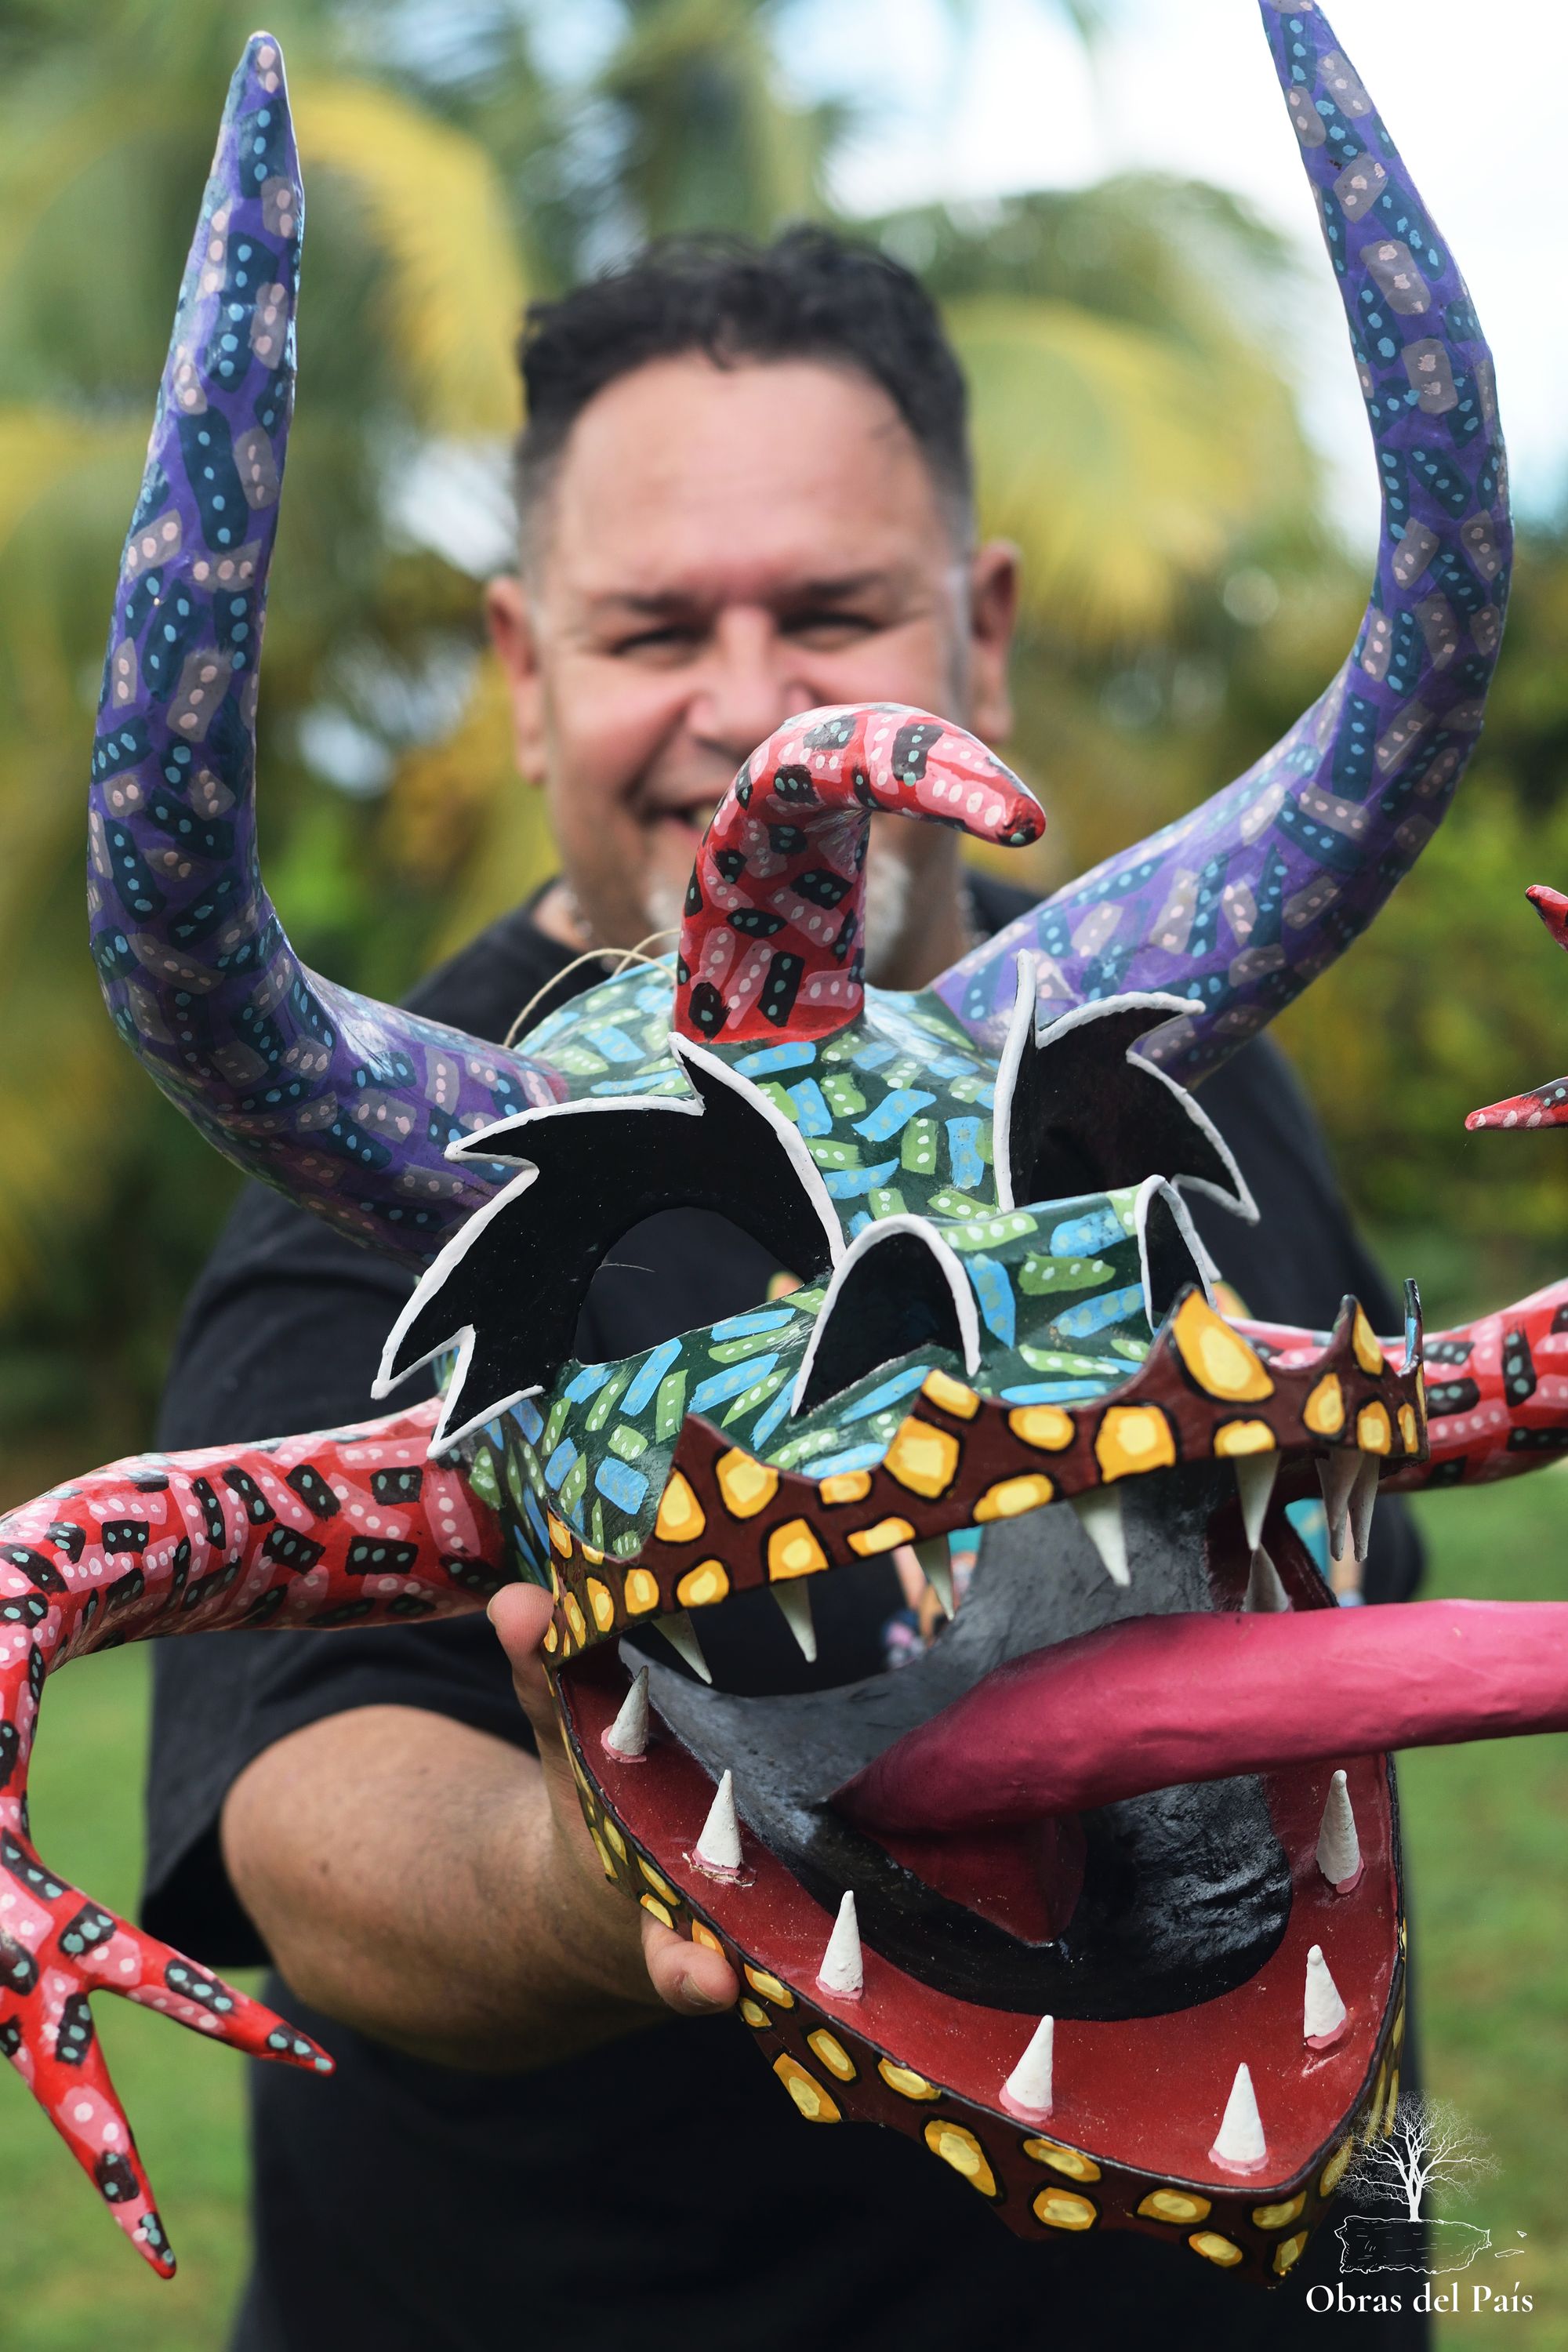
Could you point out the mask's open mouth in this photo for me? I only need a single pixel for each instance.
(1096, 1801)
(1119, 1910)
(1166, 1932)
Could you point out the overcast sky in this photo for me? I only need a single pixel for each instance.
(1476, 98)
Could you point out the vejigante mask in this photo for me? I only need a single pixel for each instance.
(1097, 1897)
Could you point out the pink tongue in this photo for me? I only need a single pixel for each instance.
(1159, 1700)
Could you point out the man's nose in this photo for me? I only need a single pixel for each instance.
(748, 685)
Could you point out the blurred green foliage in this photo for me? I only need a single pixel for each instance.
(1488, 1880)
(1136, 434)
(1456, 997)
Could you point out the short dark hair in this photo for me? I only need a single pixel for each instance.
(810, 294)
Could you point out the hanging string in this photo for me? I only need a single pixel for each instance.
(627, 956)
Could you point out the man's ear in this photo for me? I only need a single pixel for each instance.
(993, 612)
(511, 621)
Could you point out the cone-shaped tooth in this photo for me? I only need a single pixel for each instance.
(1336, 1476)
(795, 1607)
(1027, 2090)
(1239, 2144)
(1255, 1476)
(1362, 1500)
(843, 1972)
(1100, 1516)
(1323, 2013)
(1339, 1847)
(627, 1736)
(676, 1631)
(935, 1557)
(1264, 1593)
(718, 1850)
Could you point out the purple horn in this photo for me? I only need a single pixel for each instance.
(342, 1103)
(1240, 905)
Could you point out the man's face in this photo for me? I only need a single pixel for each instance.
(723, 547)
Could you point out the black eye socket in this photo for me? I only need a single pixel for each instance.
(1079, 1117)
(901, 1295)
(643, 1288)
(518, 1273)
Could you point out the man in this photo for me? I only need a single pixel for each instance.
(743, 491)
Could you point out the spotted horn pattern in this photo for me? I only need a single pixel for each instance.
(1249, 898)
(345, 1104)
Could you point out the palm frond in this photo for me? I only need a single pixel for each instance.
(41, 448)
(708, 138)
(455, 286)
(1124, 463)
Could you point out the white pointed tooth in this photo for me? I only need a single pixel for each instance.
(795, 1607)
(1323, 2012)
(627, 1736)
(1029, 2086)
(1255, 1476)
(1339, 1847)
(935, 1557)
(718, 1850)
(676, 1631)
(1100, 1516)
(1363, 1498)
(1336, 1476)
(1266, 1596)
(843, 1972)
(1239, 2144)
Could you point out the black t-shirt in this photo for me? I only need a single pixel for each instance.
(658, 2190)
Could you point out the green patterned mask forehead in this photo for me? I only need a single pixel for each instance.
(895, 1111)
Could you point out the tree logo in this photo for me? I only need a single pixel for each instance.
(1429, 2146)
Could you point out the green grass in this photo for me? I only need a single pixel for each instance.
(1487, 1835)
(1487, 1838)
(69, 2281)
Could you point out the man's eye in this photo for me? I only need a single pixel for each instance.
(672, 641)
(829, 627)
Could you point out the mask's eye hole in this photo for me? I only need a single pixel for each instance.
(1173, 1257)
(510, 1285)
(899, 1290)
(1075, 1114)
(644, 1290)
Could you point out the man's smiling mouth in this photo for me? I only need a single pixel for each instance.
(692, 818)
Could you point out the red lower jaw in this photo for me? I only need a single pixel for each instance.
(1156, 1702)
(1138, 2101)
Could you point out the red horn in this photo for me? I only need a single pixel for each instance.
(772, 944)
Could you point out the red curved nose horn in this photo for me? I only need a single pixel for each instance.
(772, 943)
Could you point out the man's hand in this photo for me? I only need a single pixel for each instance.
(437, 1887)
(686, 1977)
